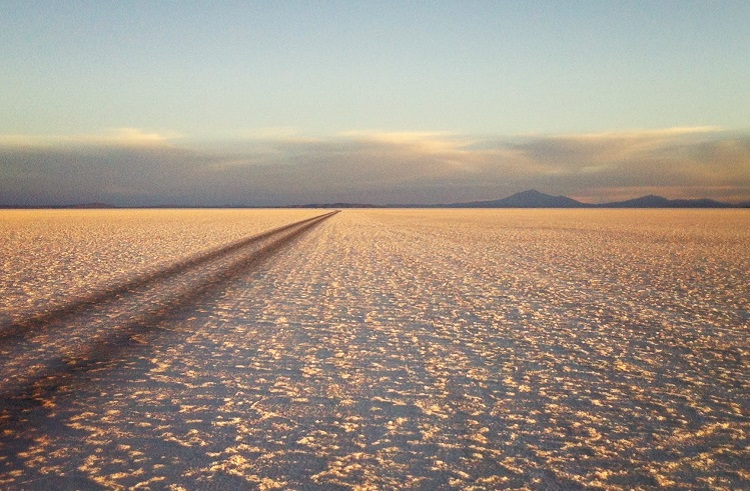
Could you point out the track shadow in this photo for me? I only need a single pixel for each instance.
(36, 322)
(63, 369)
(28, 411)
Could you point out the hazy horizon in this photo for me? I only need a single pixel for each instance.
(242, 103)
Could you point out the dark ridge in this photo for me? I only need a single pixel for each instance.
(525, 199)
(652, 201)
(77, 206)
(333, 205)
(535, 199)
(94, 206)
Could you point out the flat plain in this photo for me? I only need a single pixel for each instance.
(375, 349)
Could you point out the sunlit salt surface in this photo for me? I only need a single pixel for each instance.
(391, 349)
(51, 255)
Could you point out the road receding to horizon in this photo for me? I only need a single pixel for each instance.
(390, 349)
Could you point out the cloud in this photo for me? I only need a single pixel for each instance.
(678, 162)
(281, 166)
(116, 137)
(657, 133)
(437, 142)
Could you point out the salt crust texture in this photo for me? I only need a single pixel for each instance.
(392, 349)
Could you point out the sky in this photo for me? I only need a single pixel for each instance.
(141, 103)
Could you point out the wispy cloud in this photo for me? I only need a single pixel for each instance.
(646, 133)
(281, 166)
(113, 137)
(437, 142)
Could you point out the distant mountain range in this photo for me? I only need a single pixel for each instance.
(525, 199)
(81, 206)
(337, 205)
(535, 199)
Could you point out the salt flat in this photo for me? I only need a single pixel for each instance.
(48, 256)
(422, 349)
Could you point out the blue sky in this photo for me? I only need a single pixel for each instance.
(426, 100)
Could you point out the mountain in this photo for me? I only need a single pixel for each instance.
(698, 203)
(77, 206)
(652, 201)
(91, 206)
(334, 205)
(525, 199)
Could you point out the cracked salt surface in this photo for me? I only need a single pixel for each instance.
(422, 349)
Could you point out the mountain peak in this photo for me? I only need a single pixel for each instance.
(526, 199)
(531, 198)
(531, 194)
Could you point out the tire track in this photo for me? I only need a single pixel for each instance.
(30, 324)
(43, 351)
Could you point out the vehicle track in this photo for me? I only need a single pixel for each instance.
(41, 351)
